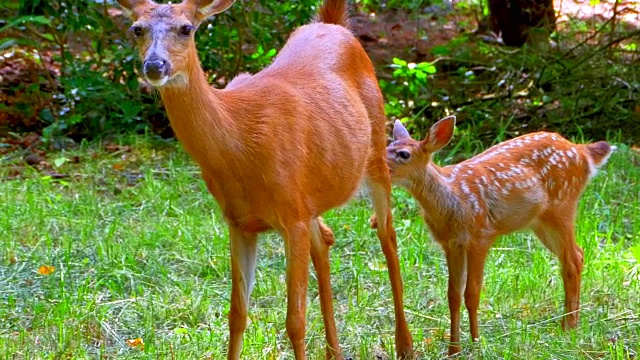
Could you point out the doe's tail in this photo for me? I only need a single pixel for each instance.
(334, 12)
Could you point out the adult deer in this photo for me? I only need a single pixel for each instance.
(533, 181)
(278, 148)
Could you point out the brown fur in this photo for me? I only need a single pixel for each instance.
(599, 151)
(533, 181)
(279, 148)
(334, 12)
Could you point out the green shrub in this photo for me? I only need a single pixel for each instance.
(97, 88)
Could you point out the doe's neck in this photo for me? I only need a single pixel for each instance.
(196, 110)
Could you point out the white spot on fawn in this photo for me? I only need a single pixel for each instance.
(535, 155)
(474, 203)
(545, 169)
(465, 188)
(570, 154)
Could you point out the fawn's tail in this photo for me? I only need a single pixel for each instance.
(600, 152)
(334, 12)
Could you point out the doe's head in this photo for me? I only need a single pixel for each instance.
(406, 156)
(164, 34)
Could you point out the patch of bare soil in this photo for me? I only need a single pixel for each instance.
(403, 35)
(628, 12)
(26, 87)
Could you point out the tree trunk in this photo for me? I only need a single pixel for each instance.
(522, 21)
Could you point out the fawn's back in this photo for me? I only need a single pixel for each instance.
(509, 185)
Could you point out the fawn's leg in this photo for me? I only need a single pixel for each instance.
(457, 263)
(297, 243)
(243, 266)
(560, 239)
(380, 187)
(321, 239)
(476, 256)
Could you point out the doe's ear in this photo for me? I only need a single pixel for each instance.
(129, 5)
(399, 131)
(440, 134)
(206, 8)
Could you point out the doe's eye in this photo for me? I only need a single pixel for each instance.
(136, 30)
(404, 154)
(186, 30)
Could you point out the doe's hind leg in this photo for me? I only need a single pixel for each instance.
(379, 184)
(321, 239)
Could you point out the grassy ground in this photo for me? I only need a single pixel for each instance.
(140, 251)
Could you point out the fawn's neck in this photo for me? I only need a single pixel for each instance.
(437, 197)
(196, 112)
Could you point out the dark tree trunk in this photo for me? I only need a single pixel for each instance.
(522, 21)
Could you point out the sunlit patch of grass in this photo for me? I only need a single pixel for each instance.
(140, 252)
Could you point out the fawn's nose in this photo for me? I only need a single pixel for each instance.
(155, 68)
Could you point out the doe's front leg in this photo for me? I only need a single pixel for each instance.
(243, 266)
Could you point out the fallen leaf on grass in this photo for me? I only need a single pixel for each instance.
(60, 161)
(46, 270)
(377, 266)
(118, 166)
(137, 343)
(112, 148)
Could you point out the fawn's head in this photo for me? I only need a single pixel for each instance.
(164, 34)
(406, 156)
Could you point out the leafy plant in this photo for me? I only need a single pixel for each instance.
(408, 87)
(96, 88)
(91, 80)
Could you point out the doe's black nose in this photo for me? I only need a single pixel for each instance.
(155, 69)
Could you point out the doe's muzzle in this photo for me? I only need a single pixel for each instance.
(155, 68)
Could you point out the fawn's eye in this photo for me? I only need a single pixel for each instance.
(404, 154)
(136, 30)
(186, 30)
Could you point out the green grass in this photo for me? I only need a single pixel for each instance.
(140, 251)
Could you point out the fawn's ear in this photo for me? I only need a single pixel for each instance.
(440, 134)
(399, 131)
(129, 6)
(206, 8)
